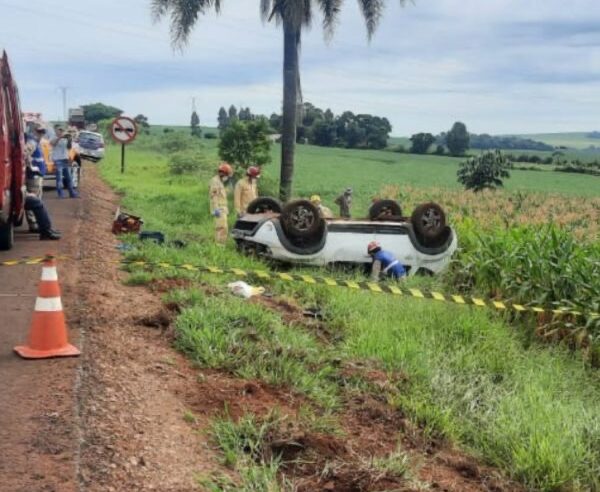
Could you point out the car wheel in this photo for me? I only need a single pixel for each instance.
(382, 209)
(301, 219)
(7, 237)
(429, 220)
(264, 204)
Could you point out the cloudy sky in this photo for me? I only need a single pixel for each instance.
(501, 66)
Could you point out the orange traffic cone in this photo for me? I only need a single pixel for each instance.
(48, 334)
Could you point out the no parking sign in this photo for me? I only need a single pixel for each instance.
(123, 130)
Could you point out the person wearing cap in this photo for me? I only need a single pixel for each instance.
(218, 201)
(345, 202)
(385, 263)
(324, 212)
(246, 190)
(61, 144)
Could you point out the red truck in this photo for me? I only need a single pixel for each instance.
(12, 158)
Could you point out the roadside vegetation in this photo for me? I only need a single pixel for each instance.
(484, 381)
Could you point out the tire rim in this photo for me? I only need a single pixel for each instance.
(431, 219)
(302, 219)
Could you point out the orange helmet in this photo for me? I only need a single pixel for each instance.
(226, 169)
(373, 247)
(253, 172)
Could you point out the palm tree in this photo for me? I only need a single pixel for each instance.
(293, 16)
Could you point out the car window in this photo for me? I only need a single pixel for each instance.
(90, 138)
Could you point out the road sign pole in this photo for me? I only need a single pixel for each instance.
(122, 158)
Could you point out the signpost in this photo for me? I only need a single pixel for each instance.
(123, 130)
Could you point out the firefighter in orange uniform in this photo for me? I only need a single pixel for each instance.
(218, 201)
(246, 190)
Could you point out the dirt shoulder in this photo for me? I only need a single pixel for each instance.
(38, 436)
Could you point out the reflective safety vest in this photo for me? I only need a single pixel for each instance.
(390, 266)
(37, 158)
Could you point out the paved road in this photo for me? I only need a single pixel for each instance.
(37, 409)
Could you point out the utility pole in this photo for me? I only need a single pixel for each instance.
(64, 102)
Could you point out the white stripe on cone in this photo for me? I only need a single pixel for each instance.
(49, 273)
(48, 304)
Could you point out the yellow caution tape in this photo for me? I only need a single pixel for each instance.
(396, 289)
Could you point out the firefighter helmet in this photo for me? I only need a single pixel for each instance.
(373, 247)
(253, 172)
(225, 169)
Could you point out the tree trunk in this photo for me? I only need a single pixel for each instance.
(291, 41)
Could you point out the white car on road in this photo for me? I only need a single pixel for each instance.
(296, 233)
(91, 145)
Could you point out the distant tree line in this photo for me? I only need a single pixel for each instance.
(227, 117)
(321, 127)
(485, 141)
(353, 131)
(593, 134)
(456, 140)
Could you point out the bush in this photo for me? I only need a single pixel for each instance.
(210, 135)
(188, 162)
(484, 171)
(246, 144)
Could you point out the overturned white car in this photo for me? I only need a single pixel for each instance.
(296, 233)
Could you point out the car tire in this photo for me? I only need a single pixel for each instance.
(301, 219)
(384, 208)
(428, 220)
(264, 204)
(7, 236)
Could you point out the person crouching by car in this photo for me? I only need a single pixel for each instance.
(385, 263)
(218, 201)
(246, 190)
(61, 144)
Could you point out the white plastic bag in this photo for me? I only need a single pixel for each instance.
(244, 290)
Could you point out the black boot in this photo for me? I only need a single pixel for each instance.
(49, 235)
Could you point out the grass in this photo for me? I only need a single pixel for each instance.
(531, 410)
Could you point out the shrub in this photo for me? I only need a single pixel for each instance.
(187, 162)
(210, 135)
(484, 171)
(246, 144)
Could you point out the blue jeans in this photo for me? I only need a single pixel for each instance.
(63, 171)
(35, 205)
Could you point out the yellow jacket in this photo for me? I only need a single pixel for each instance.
(217, 195)
(245, 191)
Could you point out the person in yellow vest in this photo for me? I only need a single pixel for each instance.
(324, 211)
(246, 190)
(218, 201)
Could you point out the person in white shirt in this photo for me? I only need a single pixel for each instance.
(60, 156)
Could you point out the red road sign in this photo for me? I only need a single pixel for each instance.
(123, 129)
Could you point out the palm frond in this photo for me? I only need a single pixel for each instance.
(265, 9)
(372, 11)
(331, 11)
(183, 16)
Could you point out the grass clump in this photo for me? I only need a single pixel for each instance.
(247, 340)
